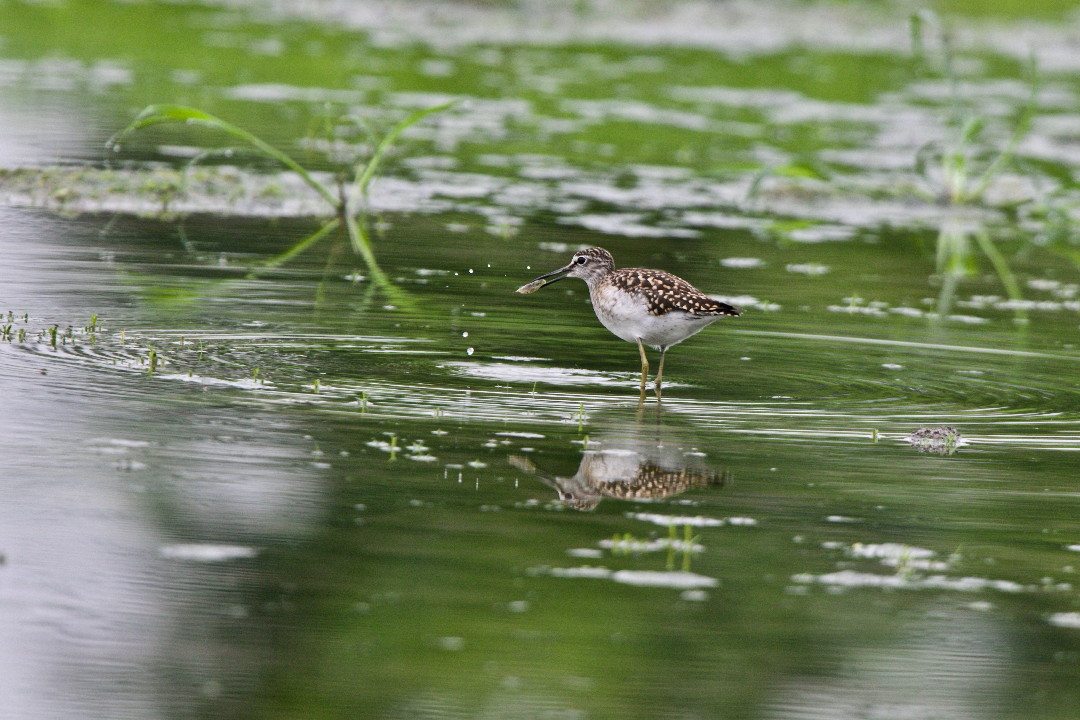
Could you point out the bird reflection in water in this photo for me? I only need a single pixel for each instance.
(628, 468)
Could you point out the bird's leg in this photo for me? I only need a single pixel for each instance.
(660, 372)
(644, 368)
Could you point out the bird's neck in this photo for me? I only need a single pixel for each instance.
(594, 280)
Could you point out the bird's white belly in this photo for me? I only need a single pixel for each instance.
(628, 318)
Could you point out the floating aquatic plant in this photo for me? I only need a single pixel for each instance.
(942, 440)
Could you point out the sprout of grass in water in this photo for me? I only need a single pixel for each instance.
(670, 564)
(689, 540)
(152, 360)
(348, 203)
(52, 335)
(963, 180)
(685, 547)
(623, 544)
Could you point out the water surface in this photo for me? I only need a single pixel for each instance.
(301, 493)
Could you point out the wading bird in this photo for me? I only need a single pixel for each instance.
(647, 307)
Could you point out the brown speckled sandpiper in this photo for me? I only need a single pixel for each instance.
(647, 307)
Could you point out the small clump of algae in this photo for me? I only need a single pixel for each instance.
(942, 440)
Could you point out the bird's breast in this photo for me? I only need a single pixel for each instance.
(627, 316)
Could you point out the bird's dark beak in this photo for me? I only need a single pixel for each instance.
(543, 280)
(561, 271)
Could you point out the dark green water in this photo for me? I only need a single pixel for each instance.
(303, 495)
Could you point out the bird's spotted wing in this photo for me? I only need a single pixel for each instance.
(665, 293)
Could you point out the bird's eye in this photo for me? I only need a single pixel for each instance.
(580, 261)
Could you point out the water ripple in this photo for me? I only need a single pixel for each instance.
(319, 371)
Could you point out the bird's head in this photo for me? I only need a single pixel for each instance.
(590, 265)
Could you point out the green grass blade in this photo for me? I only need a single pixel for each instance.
(167, 113)
(946, 294)
(940, 253)
(295, 249)
(365, 173)
(362, 245)
(1001, 265)
(1005, 157)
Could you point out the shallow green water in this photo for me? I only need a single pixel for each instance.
(300, 495)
